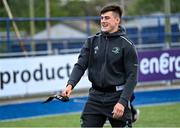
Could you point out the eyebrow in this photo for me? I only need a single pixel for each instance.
(106, 17)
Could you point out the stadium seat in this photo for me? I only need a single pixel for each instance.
(133, 34)
(153, 34)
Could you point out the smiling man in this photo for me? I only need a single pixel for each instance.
(111, 60)
(109, 21)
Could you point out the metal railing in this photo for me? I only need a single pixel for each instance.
(144, 35)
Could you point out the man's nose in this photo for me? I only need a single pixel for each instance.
(103, 20)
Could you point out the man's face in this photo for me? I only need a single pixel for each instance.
(109, 22)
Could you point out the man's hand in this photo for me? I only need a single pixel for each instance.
(67, 91)
(118, 111)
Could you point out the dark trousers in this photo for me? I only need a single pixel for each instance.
(99, 108)
(98, 120)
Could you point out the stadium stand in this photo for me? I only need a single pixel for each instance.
(141, 30)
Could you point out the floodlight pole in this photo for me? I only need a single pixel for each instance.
(32, 24)
(122, 3)
(48, 25)
(167, 10)
(8, 10)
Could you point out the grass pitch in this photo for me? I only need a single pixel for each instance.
(166, 115)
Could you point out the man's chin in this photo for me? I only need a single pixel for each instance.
(104, 30)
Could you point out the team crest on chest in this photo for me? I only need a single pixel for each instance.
(116, 50)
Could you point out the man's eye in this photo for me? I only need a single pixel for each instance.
(105, 18)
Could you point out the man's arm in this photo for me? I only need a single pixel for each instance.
(81, 65)
(131, 67)
(130, 64)
(78, 69)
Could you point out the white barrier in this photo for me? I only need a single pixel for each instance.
(20, 76)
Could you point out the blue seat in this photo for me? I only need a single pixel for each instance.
(152, 35)
(41, 46)
(18, 48)
(175, 33)
(75, 45)
(133, 34)
(58, 45)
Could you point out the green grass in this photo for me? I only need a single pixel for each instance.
(159, 116)
(167, 115)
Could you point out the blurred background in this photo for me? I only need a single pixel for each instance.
(40, 41)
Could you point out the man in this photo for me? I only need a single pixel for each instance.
(111, 60)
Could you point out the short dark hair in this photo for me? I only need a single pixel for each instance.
(115, 8)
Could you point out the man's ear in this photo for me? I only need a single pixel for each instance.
(118, 20)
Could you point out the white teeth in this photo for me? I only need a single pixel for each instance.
(104, 25)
